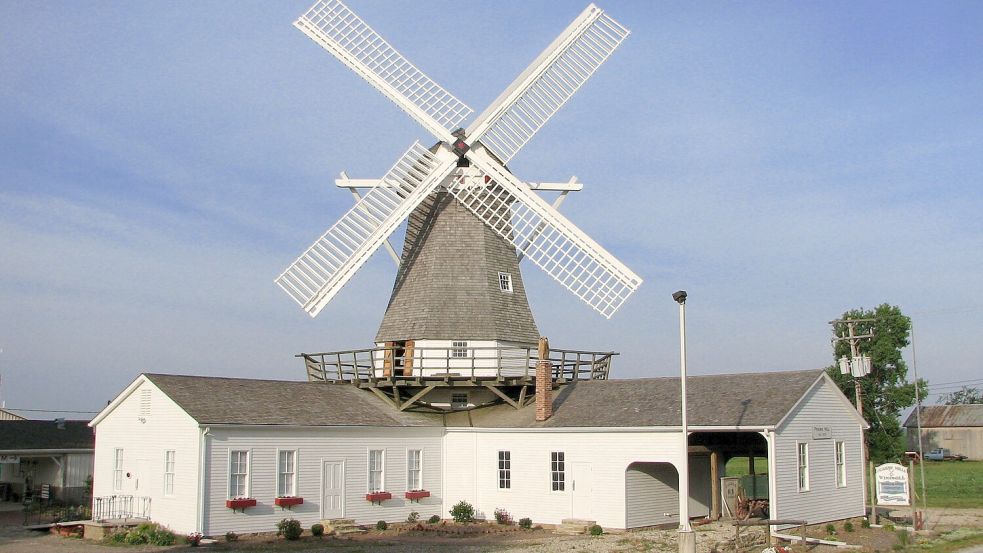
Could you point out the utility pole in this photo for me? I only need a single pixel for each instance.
(858, 365)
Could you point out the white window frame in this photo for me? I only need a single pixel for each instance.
(381, 470)
(118, 469)
(558, 471)
(504, 469)
(802, 462)
(411, 469)
(280, 473)
(839, 462)
(170, 463)
(505, 282)
(245, 475)
(459, 349)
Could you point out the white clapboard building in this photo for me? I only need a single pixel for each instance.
(185, 448)
(458, 399)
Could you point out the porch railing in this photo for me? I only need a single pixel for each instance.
(409, 363)
(120, 506)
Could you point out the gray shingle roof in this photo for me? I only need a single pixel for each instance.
(215, 400)
(935, 416)
(751, 399)
(447, 287)
(33, 435)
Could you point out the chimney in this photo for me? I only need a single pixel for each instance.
(544, 382)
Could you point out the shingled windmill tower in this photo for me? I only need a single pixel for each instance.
(458, 331)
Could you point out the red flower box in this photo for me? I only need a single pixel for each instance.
(240, 503)
(416, 495)
(378, 497)
(288, 501)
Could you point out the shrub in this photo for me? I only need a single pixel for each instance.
(889, 527)
(831, 530)
(162, 536)
(134, 538)
(231, 536)
(146, 532)
(381, 525)
(903, 538)
(462, 512)
(289, 528)
(434, 519)
(503, 517)
(596, 530)
(865, 523)
(317, 530)
(117, 537)
(413, 517)
(525, 523)
(848, 526)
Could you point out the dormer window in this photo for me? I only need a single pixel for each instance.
(505, 282)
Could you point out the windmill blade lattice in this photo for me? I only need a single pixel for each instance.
(317, 275)
(552, 79)
(340, 31)
(543, 235)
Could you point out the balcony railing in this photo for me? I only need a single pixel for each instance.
(391, 364)
(120, 507)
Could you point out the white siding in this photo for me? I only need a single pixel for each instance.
(472, 469)
(822, 406)
(314, 446)
(78, 468)
(166, 427)
(652, 495)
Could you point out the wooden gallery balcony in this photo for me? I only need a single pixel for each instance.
(448, 366)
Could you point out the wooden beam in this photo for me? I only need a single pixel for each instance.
(522, 396)
(714, 485)
(500, 394)
(413, 399)
(384, 397)
(396, 396)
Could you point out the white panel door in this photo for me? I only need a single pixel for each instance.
(581, 489)
(333, 490)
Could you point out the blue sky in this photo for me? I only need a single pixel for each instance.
(161, 163)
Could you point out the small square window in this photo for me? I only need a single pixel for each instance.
(460, 399)
(505, 281)
(459, 349)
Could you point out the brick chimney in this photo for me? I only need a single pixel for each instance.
(544, 382)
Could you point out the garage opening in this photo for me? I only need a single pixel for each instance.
(652, 492)
(737, 475)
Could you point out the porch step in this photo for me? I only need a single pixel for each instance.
(340, 526)
(573, 526)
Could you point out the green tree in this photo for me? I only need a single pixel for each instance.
(886, 391)
(964, 396)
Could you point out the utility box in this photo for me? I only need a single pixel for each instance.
(729, 488)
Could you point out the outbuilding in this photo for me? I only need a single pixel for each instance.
(45, 460)
(958, 428)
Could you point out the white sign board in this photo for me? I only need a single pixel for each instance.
(822, 432)
(9, 459)
(892, 484)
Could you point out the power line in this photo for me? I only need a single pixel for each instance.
(51, 411)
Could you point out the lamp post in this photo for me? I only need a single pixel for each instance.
(687, 538)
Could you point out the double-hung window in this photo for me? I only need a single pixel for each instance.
(118, 469)
(557, 471)
(377, 461)
(504, 470)
(803, 460)
(238, 474)
(286, 475)
(840, 449)
(505, 282)
(414, 470)
(169, 472)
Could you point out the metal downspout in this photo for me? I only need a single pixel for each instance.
(200, 513)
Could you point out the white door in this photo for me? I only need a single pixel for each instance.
(581, 486)
(333, 490)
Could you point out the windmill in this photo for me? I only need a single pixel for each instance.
(458, 198)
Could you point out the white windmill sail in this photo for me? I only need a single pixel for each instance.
(340, 31)
(317, 275)
(543, 235)
(552, 78)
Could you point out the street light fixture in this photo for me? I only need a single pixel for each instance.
(687, 538)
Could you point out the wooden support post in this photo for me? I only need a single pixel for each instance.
(502, 395)
(383, 397)
(415, 397)
(714, 485)
(872, 495)
(522, 396)
(750, 462)
(408, 358)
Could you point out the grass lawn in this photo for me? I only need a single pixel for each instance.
(737, 466)
(951, 483)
